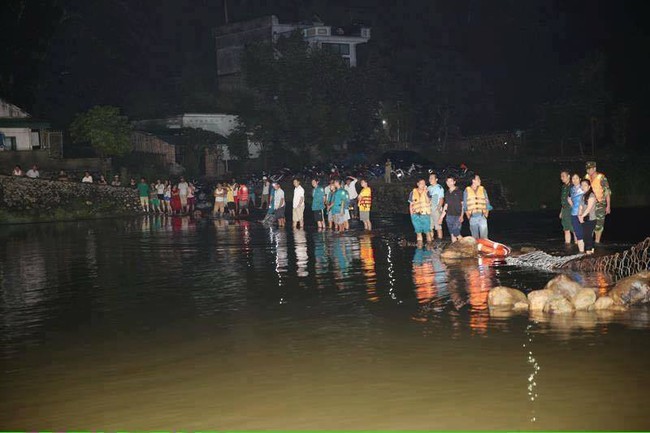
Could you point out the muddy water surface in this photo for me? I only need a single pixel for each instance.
(160, 323)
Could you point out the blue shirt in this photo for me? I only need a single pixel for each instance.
(340, 200)
(436, 193)
(576, 198)
(318, 195)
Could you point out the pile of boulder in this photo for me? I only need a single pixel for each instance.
(562, 295)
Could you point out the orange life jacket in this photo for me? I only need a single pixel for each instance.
(365, 199)
(421, 202)
(597, 185)
(476, 200)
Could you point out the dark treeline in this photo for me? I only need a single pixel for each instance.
(570, 72)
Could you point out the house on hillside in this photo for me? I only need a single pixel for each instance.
(231, 40)
(20, 132)
(156, 136)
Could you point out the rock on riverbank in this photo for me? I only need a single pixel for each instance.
(34, 200)
(564, 296)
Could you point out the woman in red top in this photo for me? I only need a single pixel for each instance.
(243, 195)
(176, 201)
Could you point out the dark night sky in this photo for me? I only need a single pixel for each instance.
(66, 55)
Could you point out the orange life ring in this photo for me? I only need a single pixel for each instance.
(490, 248)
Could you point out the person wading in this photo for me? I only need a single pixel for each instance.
(298, 213)
(565, 209)
(600, 188)
(318, 201)
(278, 204)
(452, 212)
(476, 205)
(420, 210)
(575, 200)
(365, 203)
(437, 194)
(587, 215)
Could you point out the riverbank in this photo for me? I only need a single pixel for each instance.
(26, 200)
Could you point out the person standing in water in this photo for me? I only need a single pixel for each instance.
(452, 211)
(602, 192)
(476, 206)
(587, 215)
(298, 208)
(565, 206)
(318, 201)
(219, 201)
(279, 204)
(437, 194)
(365, 203)
(143, 192)
(420, 210)
(574, 201)
(266, 191)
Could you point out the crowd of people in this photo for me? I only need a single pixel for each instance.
(585, 201)
(584, 204)
(333, 204)
(430, 206)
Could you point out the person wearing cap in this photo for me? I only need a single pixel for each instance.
(278, 204)
(116, 181)
(266, 189)
(600, 187)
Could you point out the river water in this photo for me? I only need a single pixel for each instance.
(170, 323)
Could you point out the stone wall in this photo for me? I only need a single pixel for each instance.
(35, 200)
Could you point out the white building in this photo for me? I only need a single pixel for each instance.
(18, 131)
(222, 124)
(231, 40)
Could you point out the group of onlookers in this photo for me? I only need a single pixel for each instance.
(32, 173)
(430, 205)
(333, 204)
(167, 197)
(232, 199)
(584, 204)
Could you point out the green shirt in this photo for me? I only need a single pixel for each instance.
(143, 190)
(564, 196)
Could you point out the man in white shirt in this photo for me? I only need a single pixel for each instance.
(33, 173)
(298, 204)
(266, 185)
(351, 188)
(183, 188)
(87, 178)
(278, 204)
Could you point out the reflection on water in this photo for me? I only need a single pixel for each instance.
(367, 255)
(189, 324)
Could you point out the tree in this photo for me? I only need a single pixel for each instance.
(305, 100)
(108, 132)
(194, 143)
(578, 116)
